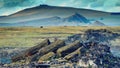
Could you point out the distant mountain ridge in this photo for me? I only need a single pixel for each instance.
(57, 16)
(97, 23)
(75, 20)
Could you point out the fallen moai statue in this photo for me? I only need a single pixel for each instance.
(94, 51)
(31, 51)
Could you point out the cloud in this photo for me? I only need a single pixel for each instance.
(101, 5)
(17, 5)
(106, 5)
(21, 3)
(8, 7)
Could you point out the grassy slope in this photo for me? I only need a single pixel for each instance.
(30, 36)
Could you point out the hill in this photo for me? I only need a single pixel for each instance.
(44, 11)
(97, 23)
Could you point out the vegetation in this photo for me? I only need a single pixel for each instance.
(31, 36)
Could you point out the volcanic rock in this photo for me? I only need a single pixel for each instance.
(68, 48)
(46, 56)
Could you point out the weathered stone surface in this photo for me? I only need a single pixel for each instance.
(31, 51)
(101, 35)
(35, 49)
(18, 57)
(73, 54)
(92, 50)
(46, 56)
(99, 54)
(51, 48)
(68, 48)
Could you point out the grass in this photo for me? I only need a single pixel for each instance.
(31, 36)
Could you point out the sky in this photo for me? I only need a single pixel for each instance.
(8, 7)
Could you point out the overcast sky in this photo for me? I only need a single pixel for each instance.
(8, 7)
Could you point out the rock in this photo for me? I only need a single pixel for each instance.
(35, 49)
(18, 57)
(68, 48)
(31, 51)
(99, 54)
(89, 63)
(94, 54)
(73, 54)
(51, 48)
(101, 35)
(46, 56)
